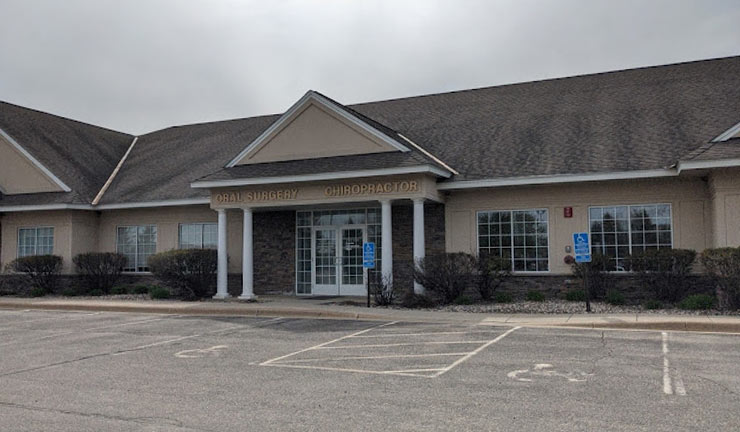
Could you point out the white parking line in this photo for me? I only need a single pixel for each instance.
(413, 371)
(404, 344)
(390, 356)
(268, 362)
(670, 386)
(476, 351)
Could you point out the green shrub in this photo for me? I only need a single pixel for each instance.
(99, 270)
(41, 271)
(96, 292)
(38, 292)
(119, 290)
(576, 296)
(383, 293)
(599, 278)
(535, 296)
(502, 297)
(697, 302)
(446, 276)
(491, 273)
(463, 300)
(723, 264)
(614, 297)
(665, 271)
(70, 292)
(158, 293)
(141, 289)
(652, 305)
(191, 272)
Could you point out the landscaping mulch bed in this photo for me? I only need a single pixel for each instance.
(567, 307)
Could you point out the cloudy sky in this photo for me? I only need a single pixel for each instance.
(141, 65)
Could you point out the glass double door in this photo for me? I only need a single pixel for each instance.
(337, 260)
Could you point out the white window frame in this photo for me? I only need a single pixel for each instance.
(36, 242)
(202, 224)
(523, 272)
(629, 222)
(136, 254)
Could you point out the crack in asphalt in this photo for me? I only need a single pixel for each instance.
(226, 331)
(138, 420)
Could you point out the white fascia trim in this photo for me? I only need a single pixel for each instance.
(35, 162)
(148, 204)
(729, 133)
(307, 98)
(568, 178)
(42, 207)
(323, 176)
(435, 158)
(706, 164)
(108, 182)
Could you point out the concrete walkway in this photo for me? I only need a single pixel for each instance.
(337, 308)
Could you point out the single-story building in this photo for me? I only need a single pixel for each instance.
(641, 158)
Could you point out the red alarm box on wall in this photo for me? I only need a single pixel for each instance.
(568, 212)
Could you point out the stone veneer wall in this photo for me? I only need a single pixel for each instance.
(403, 239)
(274, 254)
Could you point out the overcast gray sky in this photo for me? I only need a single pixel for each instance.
(141, 65)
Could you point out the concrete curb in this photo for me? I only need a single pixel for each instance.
(195, 310)
(256, 310)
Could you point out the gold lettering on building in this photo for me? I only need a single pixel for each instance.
(255, 196)
(372, 188)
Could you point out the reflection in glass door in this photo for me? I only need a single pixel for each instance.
(352, 271)
(325, 268)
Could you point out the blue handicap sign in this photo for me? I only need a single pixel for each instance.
(368, 255)
(582, 247)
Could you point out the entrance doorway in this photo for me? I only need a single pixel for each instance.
(329, 250)
(337, 265)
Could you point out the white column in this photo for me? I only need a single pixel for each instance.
(222, 279)
(418, 238)
(386, 242)
(248, 259)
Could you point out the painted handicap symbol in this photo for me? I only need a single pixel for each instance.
(213, 351)
(546, 370)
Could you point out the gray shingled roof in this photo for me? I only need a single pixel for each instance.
(636, 119)
(639, 119)
(81, 155)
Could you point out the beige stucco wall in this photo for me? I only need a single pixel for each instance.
(18, 175)
(315, 132)
(689, 198)
(74, 232)
(725, 202)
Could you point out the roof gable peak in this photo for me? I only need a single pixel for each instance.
(315, 127)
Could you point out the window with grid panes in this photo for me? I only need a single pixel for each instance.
(199, 236)
(520, 236)
(618, 231)
(137, 244)
(35, 241)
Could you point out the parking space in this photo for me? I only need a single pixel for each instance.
(419, 350)
(68, 371)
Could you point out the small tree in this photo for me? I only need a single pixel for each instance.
(42, 271)
(446, 276)
(723, 264)
(191, 272)
(491, 273)
(99, 270)
(665, 271)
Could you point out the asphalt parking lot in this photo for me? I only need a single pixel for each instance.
(88, 371)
